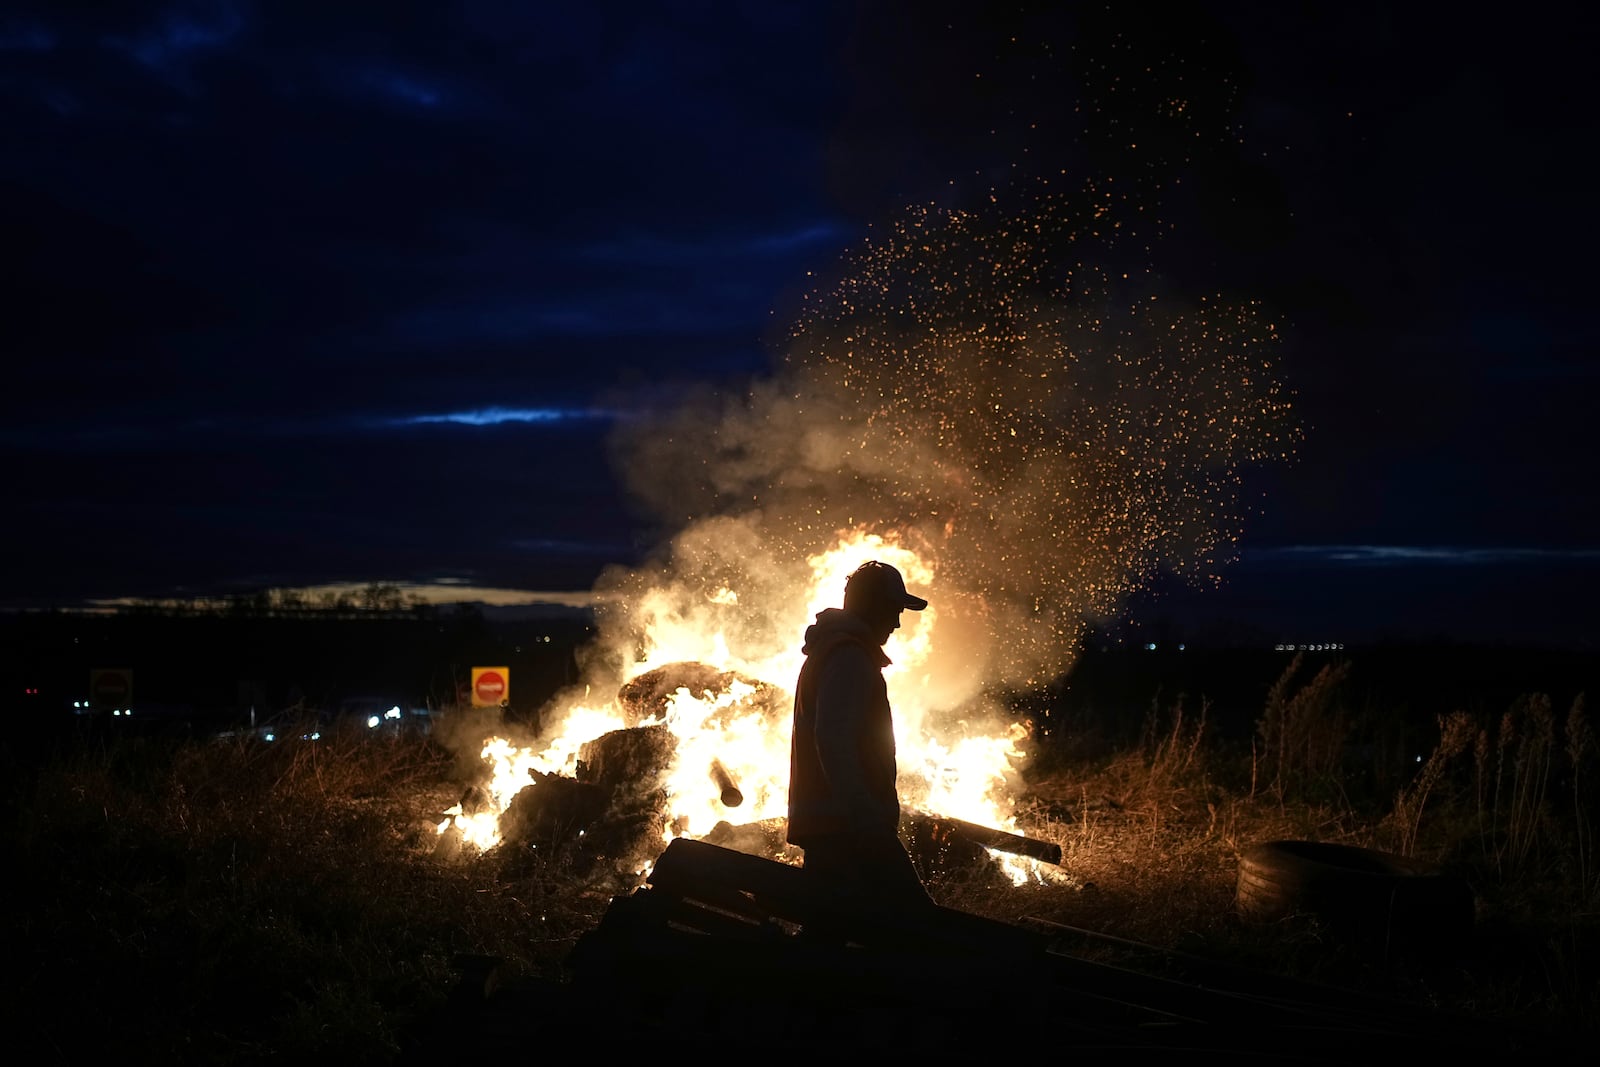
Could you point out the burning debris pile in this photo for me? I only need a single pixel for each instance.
(619, 795)
(619, 806)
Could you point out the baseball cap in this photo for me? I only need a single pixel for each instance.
(879, 583)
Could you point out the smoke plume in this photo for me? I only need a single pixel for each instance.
(989, 389)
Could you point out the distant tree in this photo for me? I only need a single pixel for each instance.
(382, 596)
(290, 601)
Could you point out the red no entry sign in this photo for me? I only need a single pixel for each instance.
(491, 686)
(110, 688)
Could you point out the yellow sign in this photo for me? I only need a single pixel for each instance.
(110, 688)
(491, 687)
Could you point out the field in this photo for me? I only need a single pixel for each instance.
(183, 897)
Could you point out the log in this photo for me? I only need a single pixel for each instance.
(730, 795)
(937, 849)
(1001, 841)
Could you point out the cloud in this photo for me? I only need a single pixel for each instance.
(1423, 555)
(495, 416)
(179, 35)
(28, 37)
(404, 88)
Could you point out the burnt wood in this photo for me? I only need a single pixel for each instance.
(729, 792)
(1001, 841)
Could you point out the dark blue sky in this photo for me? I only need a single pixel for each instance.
(268, 265)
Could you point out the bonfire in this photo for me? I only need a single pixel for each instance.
(693, 742)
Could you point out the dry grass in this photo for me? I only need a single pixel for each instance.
(1151, 839)
(227, 902)
(231, 902)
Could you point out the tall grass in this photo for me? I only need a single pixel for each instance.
(1301, 735)
(1520, 810)
(1456, 733)
(1581, 758)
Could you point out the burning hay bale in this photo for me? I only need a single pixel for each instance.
(648, 697)
(628, 767)
(552, 809)
(628, 764)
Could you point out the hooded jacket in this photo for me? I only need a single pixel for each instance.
(842, 756)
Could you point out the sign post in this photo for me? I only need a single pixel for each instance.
(491, 687)
(110, 689)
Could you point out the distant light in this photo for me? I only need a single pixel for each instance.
(1151, 647)
(269, 736)
(1181, 648)
(392, 713)
(373, 721)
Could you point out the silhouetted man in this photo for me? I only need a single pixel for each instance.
(843, 808)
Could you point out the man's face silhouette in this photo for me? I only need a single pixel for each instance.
(884, 620)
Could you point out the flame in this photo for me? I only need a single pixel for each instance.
(953, 771)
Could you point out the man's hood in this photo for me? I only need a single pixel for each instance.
(833, 627)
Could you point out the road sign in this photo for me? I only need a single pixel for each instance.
(491, 686)
(110, 687)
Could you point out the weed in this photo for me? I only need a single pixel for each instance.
(1301, 735)
(1581, 757)
(1456, 732)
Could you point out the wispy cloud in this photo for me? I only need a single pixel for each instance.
(27, 37)
(407, 90)
(1425, 555)
(177, 36)
(495, 416)
(384, 83)
(163, 432)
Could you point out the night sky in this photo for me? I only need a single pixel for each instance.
(299, 293)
